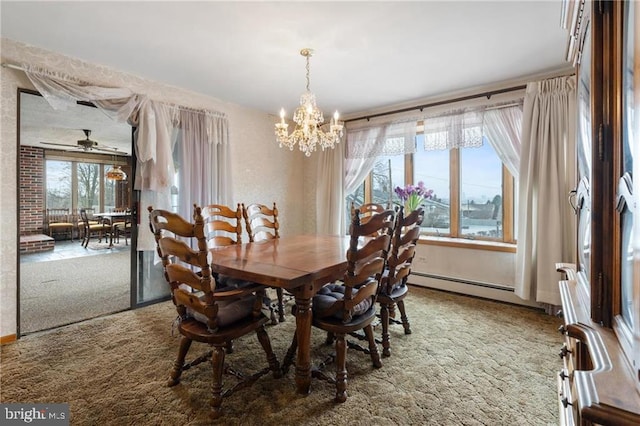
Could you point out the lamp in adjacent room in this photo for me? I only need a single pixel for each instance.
(308, 118)
(116, 173)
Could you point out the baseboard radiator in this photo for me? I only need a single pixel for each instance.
(464, 281)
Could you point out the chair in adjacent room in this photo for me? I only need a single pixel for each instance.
(122, 228)
(262, 224)
(206, 314)
(92, 228)
(394, 287)
(58, 221)
(346, 307)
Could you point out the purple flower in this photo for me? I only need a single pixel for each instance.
(413, 195)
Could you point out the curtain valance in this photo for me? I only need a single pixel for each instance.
(204, 148)
(154, 121)
(388, 139)
(462, 128)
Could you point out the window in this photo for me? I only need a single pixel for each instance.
(433, 168)
(77, 185)
(480, 192)
(471, 178)
(58, 183)
(387, 173)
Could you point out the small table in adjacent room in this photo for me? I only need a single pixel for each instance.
(114, 217)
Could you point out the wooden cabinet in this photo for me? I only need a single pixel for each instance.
(600, 379)
(597, 383)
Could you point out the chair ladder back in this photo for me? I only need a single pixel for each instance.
(403, 247)
(222, 225)
(261, 221)
(366, 262)
(171, 250)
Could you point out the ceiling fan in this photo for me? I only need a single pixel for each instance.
(88, 145)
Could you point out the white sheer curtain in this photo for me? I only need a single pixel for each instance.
(546, 222)
(503, 127)
(365, 145)
(205, 141)
(201, 173)
(330, 194)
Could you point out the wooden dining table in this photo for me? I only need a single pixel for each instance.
(300, 264)
(113, 217)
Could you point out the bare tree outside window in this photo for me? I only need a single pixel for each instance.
(88, 185)
(58, 182)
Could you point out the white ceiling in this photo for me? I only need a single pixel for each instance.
(368, 55)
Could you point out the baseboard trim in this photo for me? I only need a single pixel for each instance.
(496, 292)
(465, 281)
(7, 339)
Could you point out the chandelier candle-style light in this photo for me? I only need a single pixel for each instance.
(308, 119)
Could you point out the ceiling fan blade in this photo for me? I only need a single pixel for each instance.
(59, 144)
(109, 150)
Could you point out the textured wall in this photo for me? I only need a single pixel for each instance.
(261, 171)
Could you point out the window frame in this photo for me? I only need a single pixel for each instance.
(454, 238)
(103, 161)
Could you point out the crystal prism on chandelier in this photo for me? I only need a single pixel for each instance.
(308, 119)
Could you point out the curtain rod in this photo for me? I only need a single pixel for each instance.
(8, 65)
(438, 103)
(170, 105)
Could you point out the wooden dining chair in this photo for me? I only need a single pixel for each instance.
(207, 314)
(122, 228)
(92, 228)
(394, 287)
(59, 221)
(345, 307)
(262, 224)
(223, 227)
(367, 210)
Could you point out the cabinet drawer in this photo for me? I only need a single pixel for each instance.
(566, 402)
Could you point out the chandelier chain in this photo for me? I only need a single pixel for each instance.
(308, 90)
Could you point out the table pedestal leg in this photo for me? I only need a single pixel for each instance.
(303, 332)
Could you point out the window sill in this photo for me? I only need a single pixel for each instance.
(467, 243)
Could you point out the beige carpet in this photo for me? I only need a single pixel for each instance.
(59, 292)
(468, 362)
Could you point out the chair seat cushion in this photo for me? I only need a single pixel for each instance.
(225, 281)
(229, 312)
(332, 293)
(398, 290)
(60, 225)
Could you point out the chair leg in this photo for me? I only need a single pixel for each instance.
(384, 319)
(291, 353)
(373, 348)
(403, 317)
(217, 362)
(185, 344)
(330, 338)
(279, 292)
(263, 338)
(341, 368)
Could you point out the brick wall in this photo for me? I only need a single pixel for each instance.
(31, 190)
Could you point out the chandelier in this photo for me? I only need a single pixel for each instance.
(308, 119)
